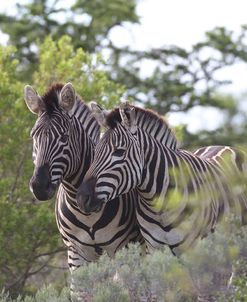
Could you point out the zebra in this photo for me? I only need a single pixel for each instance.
(181, 195)
(64, 137)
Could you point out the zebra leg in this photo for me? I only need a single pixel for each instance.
(75, 261)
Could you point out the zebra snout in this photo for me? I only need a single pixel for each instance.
(40, 184)
(86, 197)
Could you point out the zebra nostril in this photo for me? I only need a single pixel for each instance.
(87, 188)
(92, 205)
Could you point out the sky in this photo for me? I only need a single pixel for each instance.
(182, 23)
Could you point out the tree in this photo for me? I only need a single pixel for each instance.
(61, 61)
(182, 79)
(88, 23)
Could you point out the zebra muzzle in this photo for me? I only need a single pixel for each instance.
(86, 197)
(88, 205)
(41, 185)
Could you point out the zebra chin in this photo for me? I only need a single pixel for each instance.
(43, 194)
(86, 197)
(88, 205)
(94, 206)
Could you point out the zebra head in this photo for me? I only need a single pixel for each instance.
(118, 163)
(52, 137)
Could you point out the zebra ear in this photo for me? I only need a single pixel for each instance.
(33, 100)
(99, 113)
(128, 117)
(67, 97)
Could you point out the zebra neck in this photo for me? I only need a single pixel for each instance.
(81, 156)
(69, 188)
(66, 195)
(83, 114)
(155, 176)
(86, 156)
(156, 127)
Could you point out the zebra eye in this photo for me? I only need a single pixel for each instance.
(64, 138)
(119, 152)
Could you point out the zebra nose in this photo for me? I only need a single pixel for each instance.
(84, 190)
(86, 194)
(40, 183)
(87, 187)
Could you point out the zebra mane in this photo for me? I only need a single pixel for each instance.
(87, 119)
(80, 110)
(150, 122)
(50, 98)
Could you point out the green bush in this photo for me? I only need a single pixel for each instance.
(160, 275)
(46, 294)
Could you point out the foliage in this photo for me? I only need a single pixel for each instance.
(166, 277)
(60, 61)
(14, 121)
(180, 80)
(45, 294)
(27, 248)
(88, 23)
(160, 275)
(206, 269)
(240, 289)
